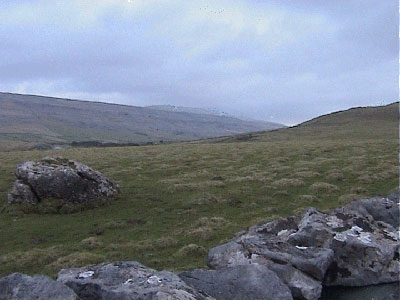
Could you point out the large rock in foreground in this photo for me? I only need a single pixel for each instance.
(354, 245)
(127, 281)
(59, 185)
(18, 286)
(250, 282)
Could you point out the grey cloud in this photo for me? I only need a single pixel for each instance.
(312, 58)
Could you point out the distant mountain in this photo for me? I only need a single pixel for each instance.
(214, 112)
(33, 120)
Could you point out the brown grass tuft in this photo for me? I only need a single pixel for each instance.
(91, 243)
(308, 198)
(281, 194)
(205, 199)
(33, 257)
(204, 233)
(191, 250)
(366, 178)
(335, 175)
(250, 178)
(195, 186)
(344, 199)
(77, 259)
(213, 222)
(323, 187)
(165, 242)
(287, 182)
(306, 174)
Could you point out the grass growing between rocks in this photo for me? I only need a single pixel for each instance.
(179, 200)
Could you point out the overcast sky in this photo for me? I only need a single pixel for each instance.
(284, 61)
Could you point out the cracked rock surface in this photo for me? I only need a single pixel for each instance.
(355, 245)
(63, 180)
(250, 282)
(127, 280)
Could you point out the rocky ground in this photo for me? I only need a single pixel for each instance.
(288, 258)
(355, 245)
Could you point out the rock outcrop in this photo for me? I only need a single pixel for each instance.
(349, 246)
(19, 286)
(127, 281)
(61, 184)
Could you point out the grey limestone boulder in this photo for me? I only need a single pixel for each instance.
(60, 182)
(301, 268)
(19, 286)
(250, 282)
(127, 280)
(366, 249)
(381, 209)
(354, 245)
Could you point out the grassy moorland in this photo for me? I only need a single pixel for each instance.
(178, 200)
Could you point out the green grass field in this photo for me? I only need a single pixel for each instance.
(178, 200)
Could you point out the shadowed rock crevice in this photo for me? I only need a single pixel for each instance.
(34, 193)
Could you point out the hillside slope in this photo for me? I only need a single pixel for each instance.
(367, 122)
(37, 119)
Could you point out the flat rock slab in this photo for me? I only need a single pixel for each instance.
(250, 282)
(127, 280)
(19, 286)
(60, 181)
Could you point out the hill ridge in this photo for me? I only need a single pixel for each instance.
(50, 120)
(347, 123)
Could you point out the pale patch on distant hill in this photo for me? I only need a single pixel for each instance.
(213, 111)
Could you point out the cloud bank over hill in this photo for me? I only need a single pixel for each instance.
(283, 61)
